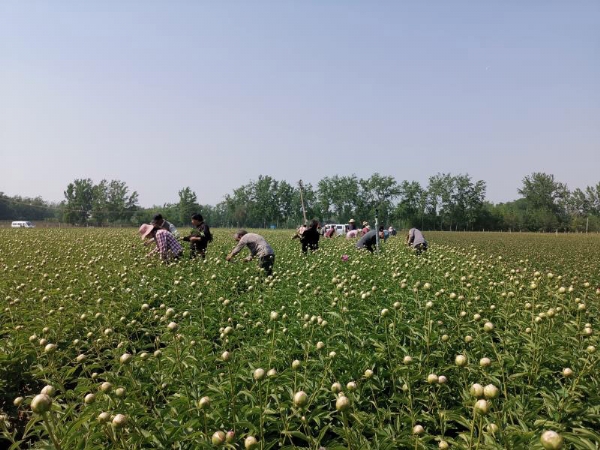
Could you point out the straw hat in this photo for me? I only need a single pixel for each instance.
(351, 221)
(145, 230)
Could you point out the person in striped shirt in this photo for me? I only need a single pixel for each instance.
(167, 246)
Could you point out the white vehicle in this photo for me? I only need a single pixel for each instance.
(22, 224)
(340, 228)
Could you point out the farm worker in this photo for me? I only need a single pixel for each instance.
(310, 237)
(369, 240)
(199, 237)
(386, 233)
(416, 240)
(392, 231)
(366, 227)
(166, 245)
(299, 231)
(352, 225)
(159, 222)
(330, 232)
(258, 246)
(351, 234)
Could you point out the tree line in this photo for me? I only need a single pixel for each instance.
(447, 202)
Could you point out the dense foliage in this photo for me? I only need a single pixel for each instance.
(485, 341)
(448, 202)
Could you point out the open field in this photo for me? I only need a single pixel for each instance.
(486, 341)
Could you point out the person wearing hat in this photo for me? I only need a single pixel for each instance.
(159, 222)
(166, 245)
(352, 225)
(366, 228)
(258, 246)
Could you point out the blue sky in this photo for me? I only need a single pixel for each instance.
(210, 95)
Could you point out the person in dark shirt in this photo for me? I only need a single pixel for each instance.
(199, 237)
(310, 237)
(369, 240)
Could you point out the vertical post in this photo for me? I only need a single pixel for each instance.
(376, 230)
(587, 222)
(302, 201)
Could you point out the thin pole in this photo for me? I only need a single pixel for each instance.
(302, 201)
(587, 222)
(376, 231)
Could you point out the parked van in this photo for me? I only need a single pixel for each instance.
(340, 228)
(22, 224)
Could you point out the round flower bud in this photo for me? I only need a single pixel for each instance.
(250, 443)
(432, 378)
(103, 417)
(551, 440)
(460, 360)
(41, 403)
(125, 358)
(50, 348)
(229, 436)
(418, 429)
(368, 373)
(320, 345)
(218, 438)
(407, 360)
(336, 387)
(18, 401)
(351, 386)
(172, 326)
(476, 390)
(259, 374)
(567, 372)
(120, 392)
(485, 362)
(492, 428)
(89, 399)
(204, 402)
(442, 379)
(295, 364)
(300, 398)
(271, 373)
(488, 326)
(490, 391)
(342, 403)
(48, 390)
(106, 387)
(482, 406)
(443, 445)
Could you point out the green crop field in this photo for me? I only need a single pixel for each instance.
(486, 341)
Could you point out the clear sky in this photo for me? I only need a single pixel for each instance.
(168, 94)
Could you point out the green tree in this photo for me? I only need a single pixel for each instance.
(546, 200)
(79, 201)
(188, 205)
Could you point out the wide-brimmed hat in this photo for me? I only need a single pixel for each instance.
(365, 224)
(351, 221)
(145, 230)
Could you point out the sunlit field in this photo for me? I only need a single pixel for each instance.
(485, 341)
